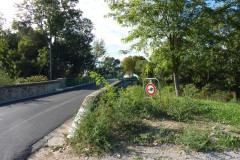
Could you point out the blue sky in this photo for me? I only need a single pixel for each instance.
(105, 28)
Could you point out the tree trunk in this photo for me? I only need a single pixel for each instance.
(175, 63)
(176, 82)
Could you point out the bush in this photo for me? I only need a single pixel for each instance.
(194, 139)
(181, 109)
(210, 92)
(5, 79)
(190, 91)
(32, 79)
(206, 140)
(221, 96)
(167, 92)
(113, 116)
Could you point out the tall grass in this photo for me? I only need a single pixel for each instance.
(119, 115)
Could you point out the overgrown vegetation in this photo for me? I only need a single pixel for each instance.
(118, 116)
(32, 79)
(207, 140)
(5, 79)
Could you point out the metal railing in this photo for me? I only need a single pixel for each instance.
(77, 81)
(84, 80)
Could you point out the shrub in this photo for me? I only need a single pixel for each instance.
(206, 140)
(5, 79)
(144, 139)
(210, 92)
(194, 139)
(181, 109)
(222, 96)
(190, 91)
(113, 116)
(167, 92)
(32, 79)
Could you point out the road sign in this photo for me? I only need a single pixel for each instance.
(150, 89)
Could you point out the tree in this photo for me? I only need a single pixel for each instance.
(158, 23)
(68, 34)
(111, 65)
(9, 56)
(129, 64)
(99, 48)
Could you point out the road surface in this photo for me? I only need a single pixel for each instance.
(24, 123)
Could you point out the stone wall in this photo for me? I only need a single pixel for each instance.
(20, 91)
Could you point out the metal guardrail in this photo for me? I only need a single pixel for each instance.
(77, 81)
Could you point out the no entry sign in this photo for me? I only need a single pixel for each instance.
(150, 89)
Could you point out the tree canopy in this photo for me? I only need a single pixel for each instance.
(42, 25)
(177, 32)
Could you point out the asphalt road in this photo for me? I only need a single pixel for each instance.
(24, 123)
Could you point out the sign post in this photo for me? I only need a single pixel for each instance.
(150, 88)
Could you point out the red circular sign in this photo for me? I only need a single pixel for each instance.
(150, 89)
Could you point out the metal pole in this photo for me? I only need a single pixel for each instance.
(50, 52)
(151, 83)
(50, 46)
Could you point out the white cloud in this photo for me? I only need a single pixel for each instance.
(105, 28)
(8, 10)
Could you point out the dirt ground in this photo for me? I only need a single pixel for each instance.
(57, 149)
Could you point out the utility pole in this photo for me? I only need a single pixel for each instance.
(50, 45)
(50, 55)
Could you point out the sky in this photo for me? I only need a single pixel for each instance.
(104, 28)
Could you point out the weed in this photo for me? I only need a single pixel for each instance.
(181, 109)
(234, 130)
(227, 113)
(137, 158)
(118, 115)
(206, 140)
(190, 91)
(144, 139)
(166, 136)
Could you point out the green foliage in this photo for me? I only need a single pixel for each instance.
(166, 136)
(5, 79)
(144, 139)
(99, 80)
(221, 96)
(227, 113)
(206, 140)
(182, 109)
(129, 64)
(63, 23)
(190, 91)
(113, 115)
(117, 116)
(110, 66)
(32, 79)
(99, 49)
(195, 139)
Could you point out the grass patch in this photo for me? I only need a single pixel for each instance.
(226, 113)
(118, 116)
(206, 140)
(115, 115)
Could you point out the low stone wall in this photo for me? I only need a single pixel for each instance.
(20, 91)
